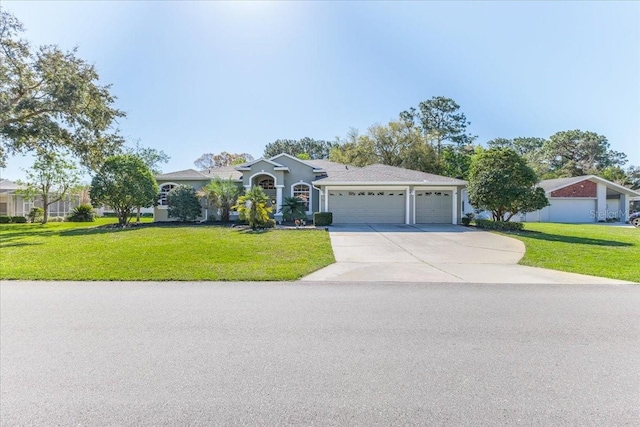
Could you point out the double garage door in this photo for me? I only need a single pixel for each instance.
(362, 207)
(388, 207)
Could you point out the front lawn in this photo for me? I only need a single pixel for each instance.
(597, 250)
(76, 251)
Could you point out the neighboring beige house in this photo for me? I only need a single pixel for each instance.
(580, 199)
(13, 204)
(372, 194)
(583, 199)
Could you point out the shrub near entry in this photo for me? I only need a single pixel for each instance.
(499, 225)
(322, 218)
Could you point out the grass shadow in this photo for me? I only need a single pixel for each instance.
(102, 229)
(3, 244)
(568, 239)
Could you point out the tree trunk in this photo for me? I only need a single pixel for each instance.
(138, 215)
(45, 205)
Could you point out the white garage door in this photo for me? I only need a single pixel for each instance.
(373, 207)
(434, 207)
(574, 210)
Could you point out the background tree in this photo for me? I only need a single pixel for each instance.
(221, 194)
(316, 149)
(500, 181)
(52, 178)
(531, 149)
(51, 99)
(293, 208)
(252, 207)
(353, 151)
(576, 153)
(213, 161)
(456, 161)
(396, 144)
(124, 182)
(441, 122)
(152, 158)
(183, 203)
(633, 177)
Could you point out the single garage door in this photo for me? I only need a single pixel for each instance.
(574, 210)
(373, 207)
(434, 207)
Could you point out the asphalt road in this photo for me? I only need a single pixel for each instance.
(319, 354)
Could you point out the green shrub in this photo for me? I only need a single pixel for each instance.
(322, 218)
(35, 214)
(18, 219)
(183, 203)
(82, 213)
(271, 223)
(488, 224)
(5, 219)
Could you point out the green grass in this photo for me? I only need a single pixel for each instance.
(77, 251)
(597, 250)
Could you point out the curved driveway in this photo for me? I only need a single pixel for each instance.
(433, 253)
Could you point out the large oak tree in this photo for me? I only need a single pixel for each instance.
(52, 99)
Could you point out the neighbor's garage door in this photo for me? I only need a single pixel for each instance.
(573, 210)
(373, 207)
(434, 207)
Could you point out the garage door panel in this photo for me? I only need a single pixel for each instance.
(358, 207)
(572, 211)
(434, 207)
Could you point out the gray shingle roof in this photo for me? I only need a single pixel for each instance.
(223, 173)
(549, 185)
(187, 174)
(553, 184)
(387, 174)
(330, 167)
(8, 186)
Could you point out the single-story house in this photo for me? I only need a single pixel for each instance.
(583, 199)
(371, 194)
(14, 204)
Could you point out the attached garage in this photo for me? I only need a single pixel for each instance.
(433, 207)
(367, 206)
(572, 210)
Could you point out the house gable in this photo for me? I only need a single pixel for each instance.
(584, 188)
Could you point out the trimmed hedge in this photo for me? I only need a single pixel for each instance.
(322, 218)
(488, 224)
(18, 220)
(5, 219)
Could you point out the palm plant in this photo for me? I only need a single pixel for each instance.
(221, 194)
(293, 208)
(252, 207)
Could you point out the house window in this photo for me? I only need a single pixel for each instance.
(164, 190)
(302, 192)
(267, 184)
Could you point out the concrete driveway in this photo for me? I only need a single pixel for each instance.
(433, 253)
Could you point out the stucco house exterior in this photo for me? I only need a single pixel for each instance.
(583, 199)
(371, 194)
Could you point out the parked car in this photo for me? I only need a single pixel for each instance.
(635, 219)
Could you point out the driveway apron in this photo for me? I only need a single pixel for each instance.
(433, 253)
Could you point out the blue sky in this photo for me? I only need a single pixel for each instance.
(198, 77)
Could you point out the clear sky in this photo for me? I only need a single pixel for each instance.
(198, 77)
